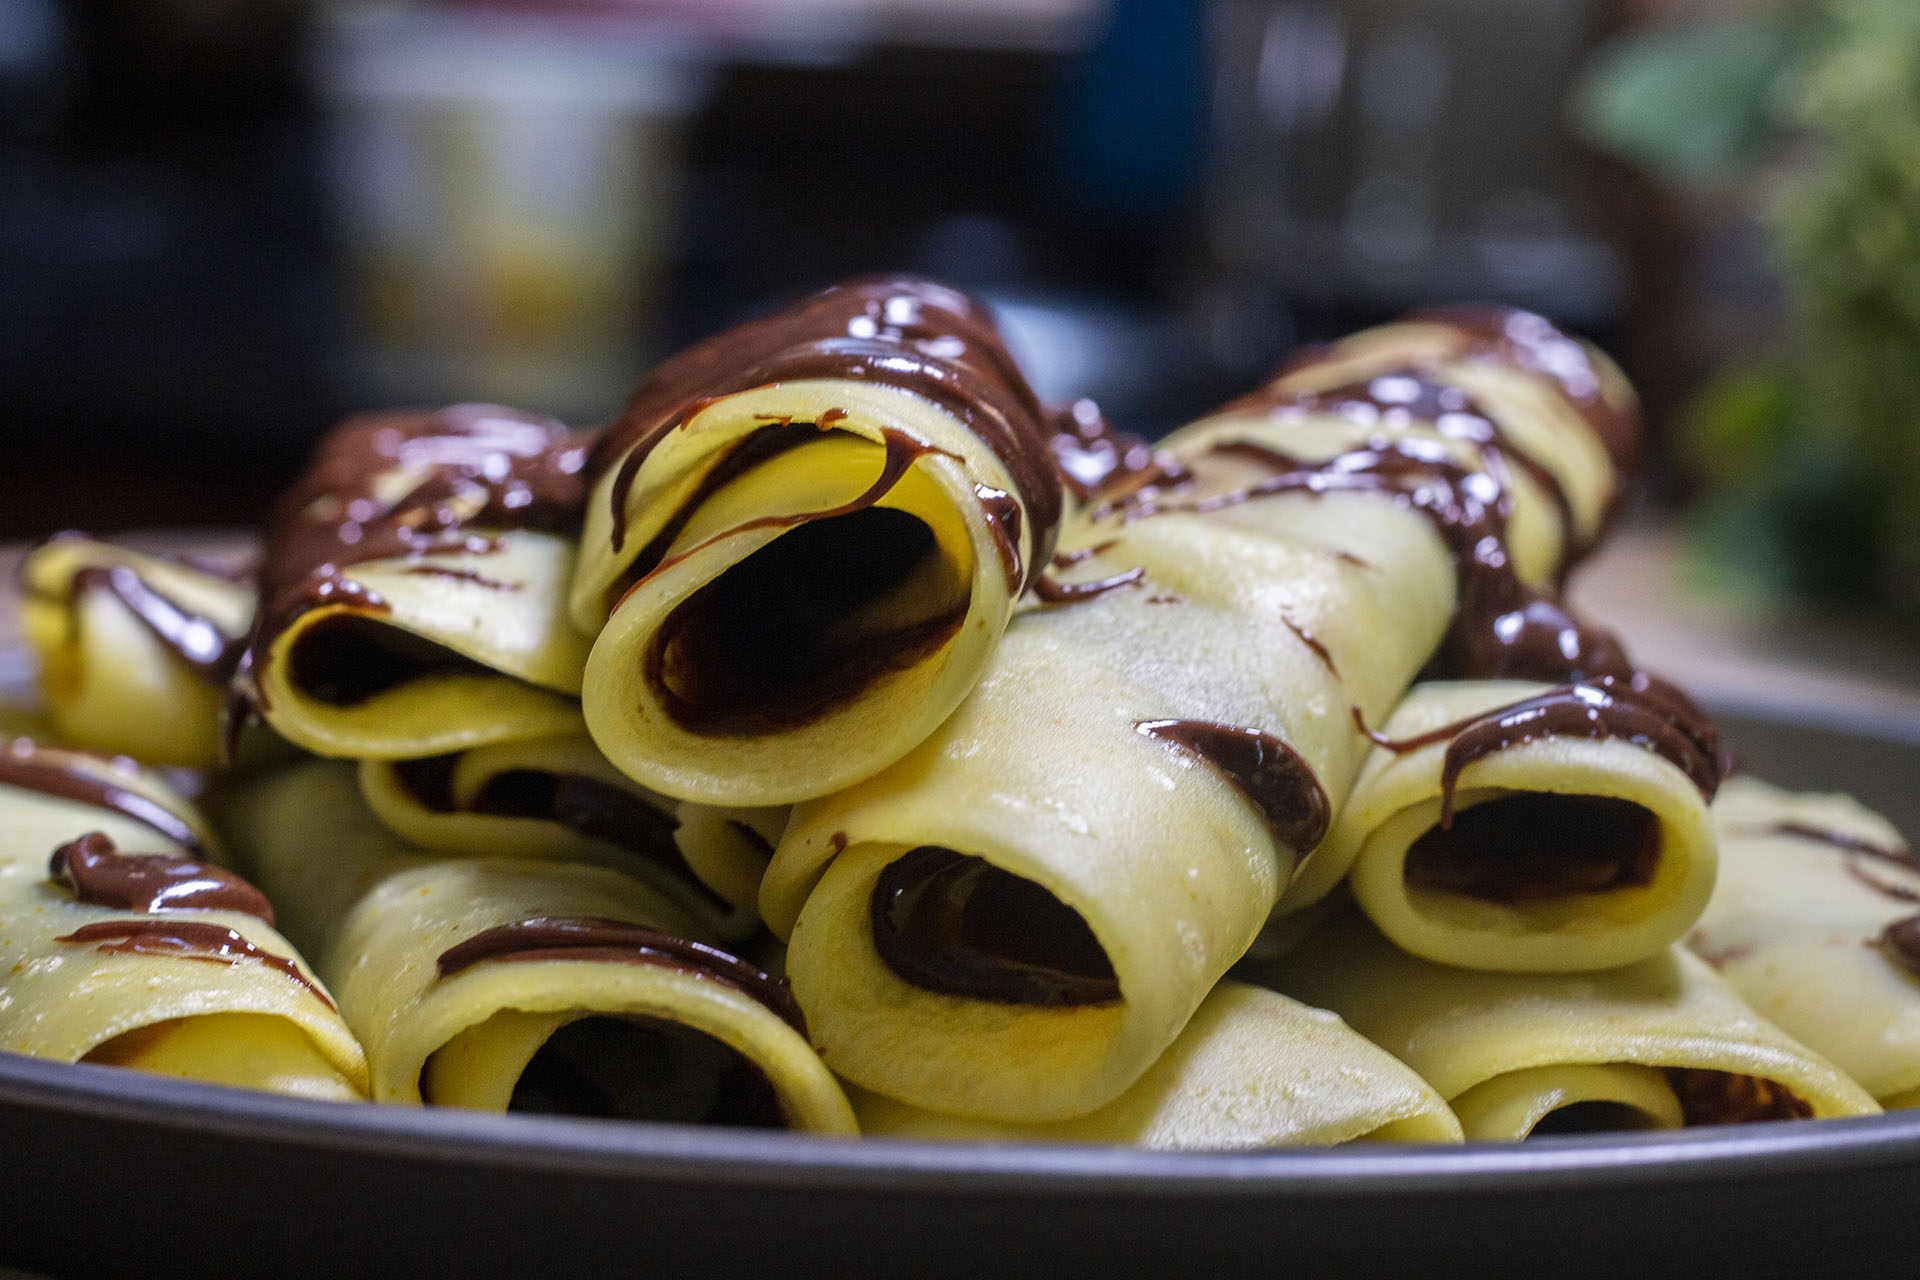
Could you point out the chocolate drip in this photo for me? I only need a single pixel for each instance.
(620, 942)
(1643, 710)
(1396, 397)
(1271, 775)
(101, 876)
(1090, 455)
(1532, 343)
(1839, 839)
(50, 771)
(469, 576)
(912, 334)
(1050, 592)
(956, 925)
(901, 452)
(1900, 941)
(600, 811)
(471, 467)
(1308, 639)
(196, 640)
(187, 940)
(1002, 513)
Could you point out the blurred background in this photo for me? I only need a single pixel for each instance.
(226, 223)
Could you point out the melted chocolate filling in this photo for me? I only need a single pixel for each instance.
(956, 925)
(597, 809)
(346, 659)
(633, 1068)
(1530, 847)
(767, 646)
(1724, 1097)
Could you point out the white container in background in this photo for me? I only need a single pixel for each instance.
(506, 189)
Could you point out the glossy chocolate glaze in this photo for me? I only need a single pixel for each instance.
(956, 925)
(1643, 710)
(1724, 1097)
(1273, 778)
(196, 640)
(186, 940)
(465, 468)
(898, 331)
(1090, 455)
(97, 874)
(620, 942)
(1900, 942)
(1047, 591)
(62, 773)
(1523, 340)
(1399, 396)
(1002, 513)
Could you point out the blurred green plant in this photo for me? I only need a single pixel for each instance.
(1811, 453)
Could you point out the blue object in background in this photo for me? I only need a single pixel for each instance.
(1135, 114)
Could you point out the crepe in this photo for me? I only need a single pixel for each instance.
(531, 985)
(135, 650)
(558, 798)
(1252, 1069)
(1527, 827)
(120, 949)
(1816, 921)
(1656, 1044)
(414, 587)
(804, 539)
(1015, 920)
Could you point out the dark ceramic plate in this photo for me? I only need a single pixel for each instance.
(108, 1173)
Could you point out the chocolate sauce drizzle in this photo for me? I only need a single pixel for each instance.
(186, 940)
(97, 874)
(1266, 771)
(620, 942)
(902, 332)
(62, 773)
(196, 640)
(1049, 591)
(901, 452)
(1091, 456)
(479, 467)
(1643, 710)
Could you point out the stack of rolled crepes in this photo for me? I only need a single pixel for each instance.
(841, 740)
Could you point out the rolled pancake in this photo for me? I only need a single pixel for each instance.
(1527, 827)
(122, 950)
(559, 798)
(135, 650)
(804, 539)
(1252, 1069)
(1814, 922)
(1648, 1045)
(529, 985)
(1015, 920)
(414, 588)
